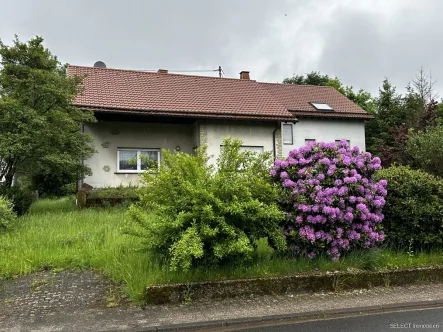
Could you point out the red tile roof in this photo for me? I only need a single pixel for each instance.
(116, 90)
(296, 98)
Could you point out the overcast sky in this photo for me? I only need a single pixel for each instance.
(361, 41)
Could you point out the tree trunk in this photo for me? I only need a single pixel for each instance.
(9, 177)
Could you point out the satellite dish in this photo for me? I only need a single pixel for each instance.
(100, 64)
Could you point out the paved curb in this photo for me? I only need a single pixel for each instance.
(247, 321)
(325, 282)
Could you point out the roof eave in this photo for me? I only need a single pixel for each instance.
(209, 115)
(334, 114)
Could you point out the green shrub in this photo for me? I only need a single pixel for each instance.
(54, 184)
(20, 196)
(414, 208)
(7, 215)
(191, 212)
(111, 196)
(426, 149)
(114, 192)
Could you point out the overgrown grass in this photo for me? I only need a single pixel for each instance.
(49, 205)
(55, 235)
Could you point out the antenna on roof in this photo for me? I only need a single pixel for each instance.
(99, 64)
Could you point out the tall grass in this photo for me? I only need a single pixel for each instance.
(55, 235)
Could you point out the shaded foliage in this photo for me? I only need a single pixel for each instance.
(414, 208)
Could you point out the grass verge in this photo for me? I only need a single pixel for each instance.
(55, 235)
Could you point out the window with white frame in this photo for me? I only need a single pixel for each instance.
(258, 149)
(137, 160)
(309, 140)
(338, 141)
(288, 137)
(253, 148)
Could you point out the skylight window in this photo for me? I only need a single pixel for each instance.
(322, 107)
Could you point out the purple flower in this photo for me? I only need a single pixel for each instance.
(350, 180)
(292, 161)
(342, 191)
(348, 217)
(332, 198)
(273, 172)
(361, 207)
(325, 161)
(288, 183)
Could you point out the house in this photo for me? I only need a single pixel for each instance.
(139, 113)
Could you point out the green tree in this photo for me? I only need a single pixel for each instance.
(426, 149)
(387, 114)
(312, 78)
(39, 126)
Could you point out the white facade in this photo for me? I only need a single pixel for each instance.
(326, 130)
(112, 137)
(109, 137)
(254, 135)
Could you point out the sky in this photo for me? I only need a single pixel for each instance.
(361, 42)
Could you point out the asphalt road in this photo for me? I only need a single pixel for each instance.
(417, 320)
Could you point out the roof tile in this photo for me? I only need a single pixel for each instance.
(185, 95)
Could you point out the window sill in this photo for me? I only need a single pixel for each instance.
(123, 172)
(138, 172)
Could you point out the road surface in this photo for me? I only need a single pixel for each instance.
(416, 320)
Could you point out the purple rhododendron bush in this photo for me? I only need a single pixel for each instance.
(331, 202)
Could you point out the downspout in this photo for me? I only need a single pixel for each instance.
(83, 161)
(274, 150)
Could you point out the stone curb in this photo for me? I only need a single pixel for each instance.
(318, 282)
(333, 313)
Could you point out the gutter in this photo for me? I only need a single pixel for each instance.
(82, 126)
(274, 152)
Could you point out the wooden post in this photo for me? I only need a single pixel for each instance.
(81, 198)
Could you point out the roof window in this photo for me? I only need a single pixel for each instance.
(323, 107)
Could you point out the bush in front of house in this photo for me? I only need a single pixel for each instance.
(110, 196)
(20, 196)
(414, 208)
(331, 202)
(7, 215)
(191, 212)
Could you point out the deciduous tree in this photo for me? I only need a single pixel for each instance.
(39, 126)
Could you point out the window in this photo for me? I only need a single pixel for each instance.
(322, 107)
(288, 137)
(258, 149)
(309, 140)
(137, 160)
(338, 141)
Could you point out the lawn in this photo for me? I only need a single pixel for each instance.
(55, 235)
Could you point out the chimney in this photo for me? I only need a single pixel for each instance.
(244, 75)
(162, 71)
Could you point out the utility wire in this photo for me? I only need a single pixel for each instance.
(185, 71)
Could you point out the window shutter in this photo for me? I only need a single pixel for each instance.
(287, 134)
